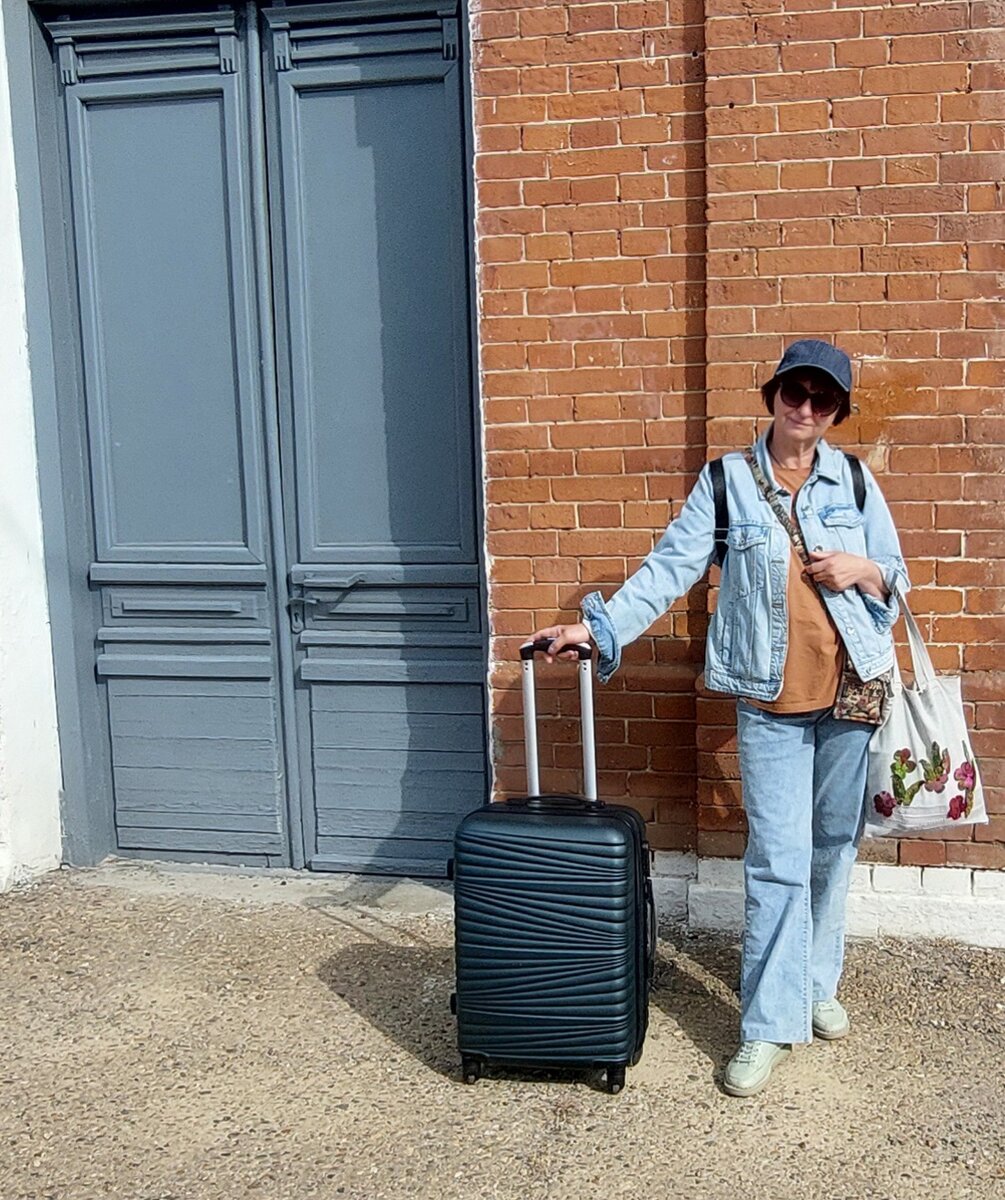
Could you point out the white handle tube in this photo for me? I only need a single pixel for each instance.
(530, 727)
(587, 730)
(586, 721)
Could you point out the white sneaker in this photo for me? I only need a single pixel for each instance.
(830, 1020)
(750, 1067)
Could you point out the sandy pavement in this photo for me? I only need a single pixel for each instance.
(187, 1035)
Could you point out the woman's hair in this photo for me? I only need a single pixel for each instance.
(823, 382)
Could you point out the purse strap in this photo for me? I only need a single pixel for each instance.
(777, 507)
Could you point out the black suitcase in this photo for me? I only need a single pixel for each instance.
(555, 928)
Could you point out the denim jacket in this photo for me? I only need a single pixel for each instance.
(748, 636)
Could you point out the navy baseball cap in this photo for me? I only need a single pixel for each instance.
(809, 352)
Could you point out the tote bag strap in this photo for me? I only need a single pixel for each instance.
(924, 672)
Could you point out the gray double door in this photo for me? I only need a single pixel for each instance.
(267, 218)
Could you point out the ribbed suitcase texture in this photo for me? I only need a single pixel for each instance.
(554, 934)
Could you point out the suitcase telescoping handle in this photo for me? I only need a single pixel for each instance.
(585, 668)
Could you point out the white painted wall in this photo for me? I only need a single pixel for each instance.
(30, 780)
(963, 903)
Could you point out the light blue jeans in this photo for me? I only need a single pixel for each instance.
(803, 778)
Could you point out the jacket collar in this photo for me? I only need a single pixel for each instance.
(826, 463)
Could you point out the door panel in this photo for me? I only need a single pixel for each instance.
(395, 608)
(157, 144)
(166, 311)
(195, 765)
(378, 415)
(369, 219)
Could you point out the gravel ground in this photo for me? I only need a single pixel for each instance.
(184, 1035)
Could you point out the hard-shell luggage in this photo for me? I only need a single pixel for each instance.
(554, 918)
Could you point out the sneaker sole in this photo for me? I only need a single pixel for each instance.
(832, 1035)
(744, 1092)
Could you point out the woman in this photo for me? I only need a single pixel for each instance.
(793, 625)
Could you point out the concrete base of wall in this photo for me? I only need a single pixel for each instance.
(948, 902)
(15, 870)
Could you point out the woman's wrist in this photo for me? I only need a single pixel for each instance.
(871, 581)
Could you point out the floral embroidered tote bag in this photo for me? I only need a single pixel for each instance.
(922, 771)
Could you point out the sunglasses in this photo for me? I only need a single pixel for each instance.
(795, 395)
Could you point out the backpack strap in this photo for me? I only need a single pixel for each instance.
(718, 474)
(857, 479)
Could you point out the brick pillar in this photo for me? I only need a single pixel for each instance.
(590, 219)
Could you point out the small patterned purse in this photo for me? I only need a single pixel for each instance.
(865, 700)
(858, 699)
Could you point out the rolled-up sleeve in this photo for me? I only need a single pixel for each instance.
(598, 621)
(680, 558)
(883, 614)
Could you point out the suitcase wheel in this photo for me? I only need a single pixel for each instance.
(471, 1070)
(615, 1079)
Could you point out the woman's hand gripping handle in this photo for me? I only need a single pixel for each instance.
(562, 636)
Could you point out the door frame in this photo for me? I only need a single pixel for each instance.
(61, 453)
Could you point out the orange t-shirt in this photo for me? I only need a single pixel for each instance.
(815, 654)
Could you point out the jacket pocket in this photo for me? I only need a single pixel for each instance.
(744, 608)
(746, 561)
(747, 636)
(845, 526)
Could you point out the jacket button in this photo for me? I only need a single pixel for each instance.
(818, 548)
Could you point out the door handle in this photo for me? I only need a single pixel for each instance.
(298, 604)
(337, 582)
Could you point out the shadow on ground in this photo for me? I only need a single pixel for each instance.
(696, 985)
(404, 992)
(401, 985)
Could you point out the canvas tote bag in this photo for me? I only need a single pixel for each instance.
(922, 771)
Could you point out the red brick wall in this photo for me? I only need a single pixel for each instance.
(666, 193)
